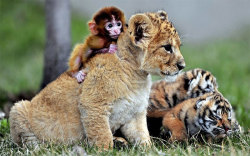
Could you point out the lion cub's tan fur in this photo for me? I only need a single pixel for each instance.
(113, 95)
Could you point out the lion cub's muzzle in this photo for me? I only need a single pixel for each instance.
(171, 75)
(181, 65)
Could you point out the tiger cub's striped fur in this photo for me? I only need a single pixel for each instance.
(190, 84)
(172, 105)
(210, 113)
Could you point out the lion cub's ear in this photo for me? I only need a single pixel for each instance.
(163, 15)
(140, 29)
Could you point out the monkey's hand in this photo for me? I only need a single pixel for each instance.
(113, 48)
(80, 76)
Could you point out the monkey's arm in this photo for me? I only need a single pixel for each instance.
(82, 51)
(80, 55)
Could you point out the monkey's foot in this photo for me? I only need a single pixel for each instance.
(80, 76)
(113, 48)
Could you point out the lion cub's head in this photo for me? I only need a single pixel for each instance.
(160, 43)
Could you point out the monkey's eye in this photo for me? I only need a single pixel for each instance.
(108, 25)
(168, 48)
(119, 23)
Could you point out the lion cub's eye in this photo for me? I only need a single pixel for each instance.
(168, 48)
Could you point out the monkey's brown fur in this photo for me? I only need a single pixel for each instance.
(97, 41)
(114, 94)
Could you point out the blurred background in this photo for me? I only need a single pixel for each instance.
(215, 36)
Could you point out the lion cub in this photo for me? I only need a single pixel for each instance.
(114, 94)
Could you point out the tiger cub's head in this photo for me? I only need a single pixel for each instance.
(215, 115)
(199, 82)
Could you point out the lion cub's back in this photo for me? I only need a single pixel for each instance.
(108, 79)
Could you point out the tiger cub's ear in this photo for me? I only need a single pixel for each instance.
(140, 27)
(194, 83)
(199, 103)
(203, 101)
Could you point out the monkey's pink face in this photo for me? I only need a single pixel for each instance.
(114, 28)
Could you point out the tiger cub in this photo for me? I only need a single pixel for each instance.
(190, 84)
(210, 114)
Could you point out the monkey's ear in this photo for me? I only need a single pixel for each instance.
(92, 28)
(140, 29)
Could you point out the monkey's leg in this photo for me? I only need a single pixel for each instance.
(96, 125)
(136, 130)
(20, 126)
(103, 50)
(75, 58)
(176, 127)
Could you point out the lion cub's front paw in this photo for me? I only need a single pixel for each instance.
(119, 142)
(146, 143)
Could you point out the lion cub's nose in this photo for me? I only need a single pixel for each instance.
(181, 65)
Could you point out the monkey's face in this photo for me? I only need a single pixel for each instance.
(114, 28)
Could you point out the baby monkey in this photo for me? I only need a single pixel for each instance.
(105, 28)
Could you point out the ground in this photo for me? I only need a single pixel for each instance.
(21, 63)
(237, 145)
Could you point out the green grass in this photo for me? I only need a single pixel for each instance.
(22, 31)
(235, 145)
